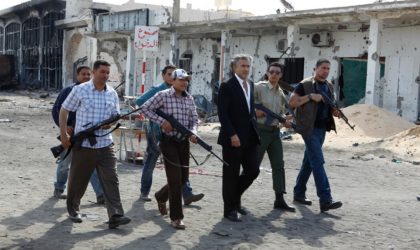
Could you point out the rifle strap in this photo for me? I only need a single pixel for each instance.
(179, 165)
(116, 127)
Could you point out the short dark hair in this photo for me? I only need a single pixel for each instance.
(99, 63)
(321, 61)
(274, 64)
(168, 67)
(80, 68)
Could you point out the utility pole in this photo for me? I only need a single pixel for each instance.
(174, 53)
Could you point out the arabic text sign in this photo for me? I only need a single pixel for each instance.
(146, 38)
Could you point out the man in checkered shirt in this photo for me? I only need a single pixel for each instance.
(93, 102)
(175, 101)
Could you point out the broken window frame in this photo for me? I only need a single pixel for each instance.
(30, 40)
(12, 39)
(12, 43)
(52, 51)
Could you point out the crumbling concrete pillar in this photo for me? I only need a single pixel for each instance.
(224, 55)
(174, 52)
(293, 32)
(373, 64)
(130, 71)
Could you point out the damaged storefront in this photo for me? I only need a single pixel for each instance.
(31, 45)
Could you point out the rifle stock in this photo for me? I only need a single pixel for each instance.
(186, 132)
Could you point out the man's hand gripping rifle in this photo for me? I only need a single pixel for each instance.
(272, 115)
(334, 105)
(186, 132)
(89, 134)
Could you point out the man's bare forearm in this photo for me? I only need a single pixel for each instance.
(297, 101)
(62, 119)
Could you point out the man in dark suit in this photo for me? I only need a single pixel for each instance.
(238, 135)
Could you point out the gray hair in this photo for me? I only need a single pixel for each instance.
(238, 57)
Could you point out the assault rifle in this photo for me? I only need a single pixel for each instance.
(273, 115)
(334, 105)
(89, 134)
(185, 132)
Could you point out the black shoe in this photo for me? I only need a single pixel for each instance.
(242, 211)
(59, 194)
(232, 216)
(193, 198)
(100, 199)
(302, 200)
(330, 205)
(418, 197)
(282, 205)
(116, 221)
(77, 218)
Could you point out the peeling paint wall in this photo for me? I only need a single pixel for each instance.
(203, 66)
(402, 51)
(114, 52)
(76, 47)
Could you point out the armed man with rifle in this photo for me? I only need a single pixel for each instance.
(174, 145)
(269, 94)
(93, 103)
(63, 165)
(314, 117)
(153, 135)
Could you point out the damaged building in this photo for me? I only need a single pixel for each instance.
(373, 48)
(30, 44)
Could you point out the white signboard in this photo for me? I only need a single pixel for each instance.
(146, 38)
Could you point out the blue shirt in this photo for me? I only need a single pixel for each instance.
(91, 107)
(71, 121)
(153, 127)
(322, 115)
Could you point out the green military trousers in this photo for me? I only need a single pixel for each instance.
(271, 143)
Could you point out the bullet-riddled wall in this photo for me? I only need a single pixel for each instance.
(398, 90)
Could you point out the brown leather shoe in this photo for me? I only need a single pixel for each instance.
(161, 206)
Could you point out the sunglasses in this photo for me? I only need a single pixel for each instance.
(274, 72)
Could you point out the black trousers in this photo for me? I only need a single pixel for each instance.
(176, 154)
(234, 182)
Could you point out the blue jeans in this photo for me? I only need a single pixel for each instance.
(153, 153)
(313, 161)
(63, 173)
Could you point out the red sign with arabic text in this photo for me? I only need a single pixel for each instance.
(146, 38)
